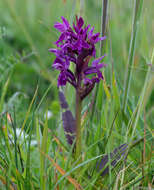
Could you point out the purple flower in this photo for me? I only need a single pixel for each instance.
(77, 44)
(62, 27)
(95, 69)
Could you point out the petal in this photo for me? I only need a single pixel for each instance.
(87, 81)
(53, 50)
(99, 74)
(75, 28)
(101, 65)
(102, 38)
(95, 79)
(96, 61)
(87, 28)
(80, 22)
(62, 79)
(70, 75)
(61, 38)
(94, 52)
(57, 52)
(61, 64)
(90, 70)
(85, 44)
(60, 27)
(65, 21)
(90, 33)
(94, 38)
(57, 66)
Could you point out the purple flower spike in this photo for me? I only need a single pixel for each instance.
(77, 45)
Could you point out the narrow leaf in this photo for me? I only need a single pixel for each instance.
(69, 126)
(62, 172)
(115, 156)
(118, 154)
(68, 119)
(63, 102)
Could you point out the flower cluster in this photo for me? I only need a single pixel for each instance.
(77, 44)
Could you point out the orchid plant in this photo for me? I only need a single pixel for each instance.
(76, 45)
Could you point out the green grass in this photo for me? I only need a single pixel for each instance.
(39, 157)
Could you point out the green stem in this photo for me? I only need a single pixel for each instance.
(78, 124)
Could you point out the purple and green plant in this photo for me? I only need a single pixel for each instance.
(77, 45)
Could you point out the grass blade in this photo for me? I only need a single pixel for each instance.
(102, 46)
(4, 91)
(42, 158)
(70, 179)
(136, 19)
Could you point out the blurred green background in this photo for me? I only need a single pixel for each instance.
(26, 34)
